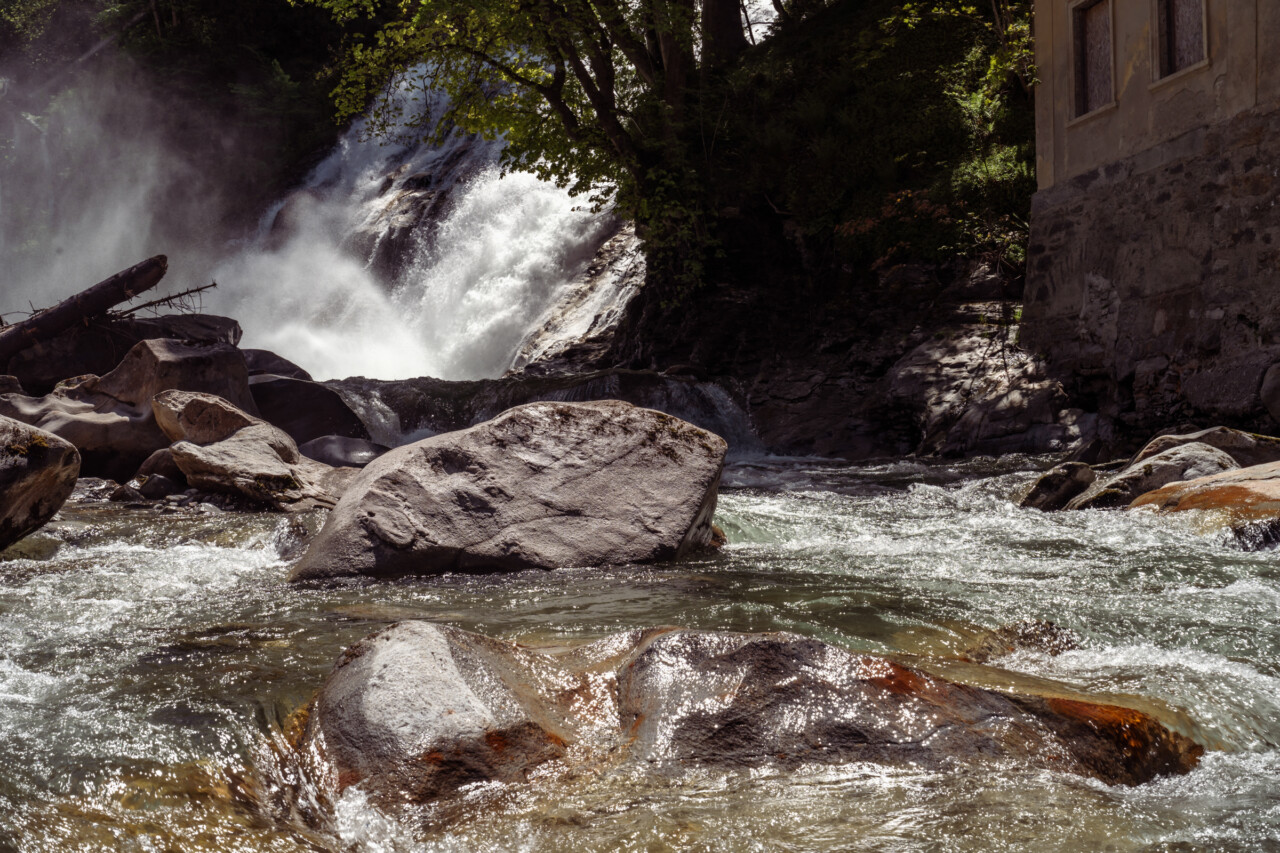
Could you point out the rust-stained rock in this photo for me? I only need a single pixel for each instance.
(1246, 500)
(1182, 462)
(417, 710)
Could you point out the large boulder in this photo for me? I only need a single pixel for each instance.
(1246, 500)
(544, 485)
(1181, 462)
(416, 711)
(305, 410)
(38, 471)
(220, 448)
(109, 419)
(98, 347)
(1246, 448)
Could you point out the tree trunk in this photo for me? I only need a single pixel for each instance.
(86, 305)
(722, 35)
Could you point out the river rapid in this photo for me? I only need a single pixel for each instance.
(150, 661)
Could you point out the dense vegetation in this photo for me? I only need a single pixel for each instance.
(860, 134)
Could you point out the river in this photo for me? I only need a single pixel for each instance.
(150, 659)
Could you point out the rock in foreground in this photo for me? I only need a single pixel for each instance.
(545, 485)
(416, 711)
(38, 471)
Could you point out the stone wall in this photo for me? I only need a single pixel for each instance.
(1153, 284)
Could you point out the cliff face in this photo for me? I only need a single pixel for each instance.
(1153, 284)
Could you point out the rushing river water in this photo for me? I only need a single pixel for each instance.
(149, 659)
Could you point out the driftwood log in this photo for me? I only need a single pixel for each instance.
(84, 306)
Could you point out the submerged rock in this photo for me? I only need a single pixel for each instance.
(414, 712)
(220, 448)
(1034, 634)
(1181, 462)
(545, 485)
(1059, 486)
(38, 472)
(340, 451)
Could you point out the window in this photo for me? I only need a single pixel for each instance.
(1091, 22)
(1180, 34)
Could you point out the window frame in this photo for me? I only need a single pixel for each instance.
(1075, 10)
(1158, 77)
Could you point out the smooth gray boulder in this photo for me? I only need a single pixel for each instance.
(38, 472)
(1183, 462)
(544, 485)
(220, 448)
(1058, 486)
(417, 710)
(109, 418)
(1247, 448)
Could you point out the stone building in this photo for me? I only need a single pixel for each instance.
(1153, 281)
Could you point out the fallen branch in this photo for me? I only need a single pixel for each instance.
(82, 307)
(167, 301)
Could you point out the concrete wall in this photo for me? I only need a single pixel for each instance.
(1241, 71)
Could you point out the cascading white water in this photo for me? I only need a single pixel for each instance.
(393, 260)
(488, 255)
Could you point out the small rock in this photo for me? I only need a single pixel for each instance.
(158, 486)
(1056, 488)
(125, 493)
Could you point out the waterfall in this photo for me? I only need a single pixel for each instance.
(394, 259)
(402, 260)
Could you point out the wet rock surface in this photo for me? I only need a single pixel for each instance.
(38, 472)
(545, 485)
(1247, 501)
(418, 710)
(1059, 486)
(342, 452)
(1180, 462)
